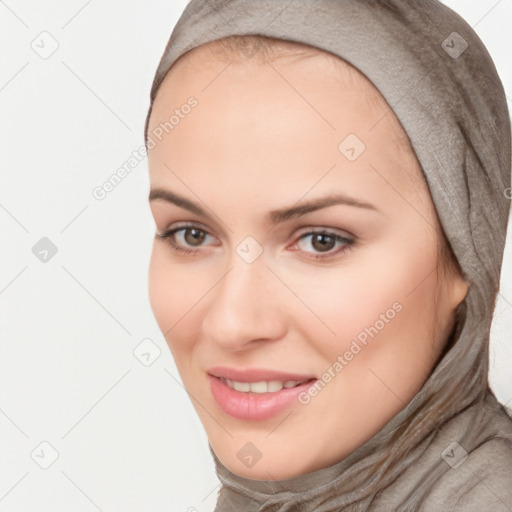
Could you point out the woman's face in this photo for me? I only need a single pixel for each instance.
(351, 321)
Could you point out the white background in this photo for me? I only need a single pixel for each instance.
(127, 436)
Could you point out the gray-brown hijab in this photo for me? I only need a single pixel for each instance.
(439, 79)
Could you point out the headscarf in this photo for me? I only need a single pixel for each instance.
(450, 448)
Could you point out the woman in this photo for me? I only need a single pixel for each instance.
(329, 194)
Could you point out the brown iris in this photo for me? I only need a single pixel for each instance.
(322, 242)
(196, 236)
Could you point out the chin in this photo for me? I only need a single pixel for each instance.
(264, 459)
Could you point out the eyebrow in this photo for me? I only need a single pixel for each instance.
(275, 216)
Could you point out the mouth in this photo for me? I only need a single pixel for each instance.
(256, 394)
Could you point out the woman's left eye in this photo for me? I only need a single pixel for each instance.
(322, 241)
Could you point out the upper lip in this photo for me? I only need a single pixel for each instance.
(256, 374)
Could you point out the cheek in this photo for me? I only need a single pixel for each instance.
(173, 292)
(384, 293)
(400, 352)
(382, 312)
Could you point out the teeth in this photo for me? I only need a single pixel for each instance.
(258, 387)
(274, 385)
(261, 387)
(240, 386)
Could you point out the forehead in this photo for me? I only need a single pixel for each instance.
(289, 113)
(296, 58)
(240, 52)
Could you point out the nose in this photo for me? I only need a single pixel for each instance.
(245, 307)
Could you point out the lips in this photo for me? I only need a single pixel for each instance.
(260, 397)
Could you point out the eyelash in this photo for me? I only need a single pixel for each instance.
(348, 243)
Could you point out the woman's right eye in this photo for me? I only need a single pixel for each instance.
(189, 237)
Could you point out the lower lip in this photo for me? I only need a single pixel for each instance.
(254, 406)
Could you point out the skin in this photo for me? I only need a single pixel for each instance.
(255, 144)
